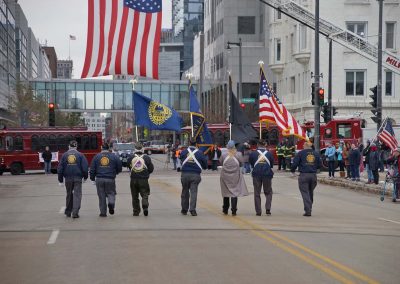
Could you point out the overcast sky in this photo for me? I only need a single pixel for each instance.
(52, 21)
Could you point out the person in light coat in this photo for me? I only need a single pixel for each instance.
(232, 179)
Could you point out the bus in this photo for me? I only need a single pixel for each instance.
(21, 148)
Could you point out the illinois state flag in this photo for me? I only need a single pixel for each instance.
(155, 116)
(123, 38)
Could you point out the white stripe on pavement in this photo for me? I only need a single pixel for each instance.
(53, 237)
(388, 220)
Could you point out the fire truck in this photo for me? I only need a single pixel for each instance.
(21, 148)
(346, 130)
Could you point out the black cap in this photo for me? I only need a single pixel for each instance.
(105, 146)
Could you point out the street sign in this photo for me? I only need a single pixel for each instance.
(248, 100)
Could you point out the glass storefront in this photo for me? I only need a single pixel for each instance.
(109, 95)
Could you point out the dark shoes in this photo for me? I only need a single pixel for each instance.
(111, 209)
(225, 211)
(268, 212)
(193, 213)
(258, 214)
(135, 213)
(307, 214)
(233, 212)
(103, 215)
(145, 212)
(68, 214)
(75, 216)
(183, 212)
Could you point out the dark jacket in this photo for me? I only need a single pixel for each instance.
(366, 152)
(212, 153)
(46, 155)
(263, 168)
(373, 160)
(73, 164)
(307, 160)
(191, 166)
(139, 171)
(354, 157)
(105, 165)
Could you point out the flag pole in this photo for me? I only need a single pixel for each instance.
(383, 125)
(230, 105)
(69, 48)
(189, 77)
(261, 63)
(133, 82)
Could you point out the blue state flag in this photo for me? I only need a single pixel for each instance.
(155, 116)
(200, 129)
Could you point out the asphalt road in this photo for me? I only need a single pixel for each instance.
(352, 237)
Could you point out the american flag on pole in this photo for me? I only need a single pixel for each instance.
(387, 136)
(123, 38)
(272, 110)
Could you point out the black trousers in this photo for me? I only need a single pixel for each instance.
(233, 200)
(375, 173)
(281, 162)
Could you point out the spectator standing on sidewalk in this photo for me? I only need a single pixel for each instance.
(365, 153)
(345, 154)
(354, 161)
(214, 155)
(373, 162)
(340, 159)
(330, 154)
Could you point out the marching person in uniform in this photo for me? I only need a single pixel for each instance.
(308, 161)
(193, 162)
(141, 168)
(103, 170)
(232, 179)
(262, 162)
(72, 167)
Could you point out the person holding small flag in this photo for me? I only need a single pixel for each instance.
(193, 162)
(262, 162)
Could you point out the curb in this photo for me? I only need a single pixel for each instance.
(355, 186)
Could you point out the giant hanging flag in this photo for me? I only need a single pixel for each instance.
(199, 125)
(272, 110)
(387, 136)
(155, 116)
(123, 38)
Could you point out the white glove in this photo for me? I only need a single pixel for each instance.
(83, 181)
(61, 184)
(93, 182)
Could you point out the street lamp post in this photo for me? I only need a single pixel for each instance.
(239, 44)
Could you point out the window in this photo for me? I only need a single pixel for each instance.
(79, 140)
(293, 85)
(303, 37)
(93, 142)
(344, 130)
(355, 83)
(9, 143)
(44, 141)
(35, 143)
(261, 23)
(390, 29)
(18, 143)
(359, 28)
(273, 137)
(53, 143)
(278, 15)
(85, 142)
(247, 25)
(62, 143)
(264, 135)
(388, 83)
(292, 43)
(277, 50)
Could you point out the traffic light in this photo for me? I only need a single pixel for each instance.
(321, 93)
(334, 111)
(312, 93)
(242, 105)
(326, 114)
(52, 115)
(374, 103)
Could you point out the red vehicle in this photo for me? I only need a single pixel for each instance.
(21, 148)
(347, 130)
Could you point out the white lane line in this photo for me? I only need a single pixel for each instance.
(388, 220)
(53, 237)
(298, 198)
(62, 210)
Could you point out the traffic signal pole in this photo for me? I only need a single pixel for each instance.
(316, 81)
(379, 85)
(330, 81)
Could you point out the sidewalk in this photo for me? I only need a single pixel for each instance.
(354, 185)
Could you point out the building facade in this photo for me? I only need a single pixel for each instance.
(52, 59)
(95, 122)
(187, 21)
(230, 21)
(64, 69)
(292, 59)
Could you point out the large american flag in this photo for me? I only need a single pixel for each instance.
(123, 38)
(387, 136)
(272, 110)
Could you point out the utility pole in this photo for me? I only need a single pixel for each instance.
(379, 85)
(316, 81)
(330, 81)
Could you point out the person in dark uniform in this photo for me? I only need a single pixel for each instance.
(103, 170)
(46, 155)
(141, 168)
(308, 161)
(193, 162)
(73, 167)
(262, 162)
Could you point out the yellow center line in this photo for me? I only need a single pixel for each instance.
(274, 238)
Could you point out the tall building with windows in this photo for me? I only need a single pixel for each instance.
(230, 21)
(292, 59)
(64, 69)
(187, 21)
